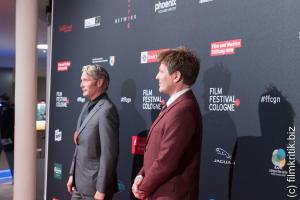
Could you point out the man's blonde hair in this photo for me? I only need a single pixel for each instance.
(97, 72)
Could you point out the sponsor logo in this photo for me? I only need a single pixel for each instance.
(80, 99)
(92, 22)
(220, 103)
(63, 65)
(138, 145)
(223, 157)
(111, 60)
(65, 28)
(125, 100)
(222, 152)
(58, 171)
(291, 163)
(61, 101)
(165, 6)
(205, 1)
(150, 56)
(129, 18)
(278, 158)
(99, 60)
(57, 135)
(223, 48)
(151, 102)
(121, 186)
(279, 161)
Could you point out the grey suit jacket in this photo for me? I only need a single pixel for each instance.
(96, 154)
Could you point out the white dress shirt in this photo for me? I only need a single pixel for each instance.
(176, 95)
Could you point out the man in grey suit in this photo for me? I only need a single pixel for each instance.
(93, 169)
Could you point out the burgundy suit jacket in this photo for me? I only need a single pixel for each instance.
(172, 153)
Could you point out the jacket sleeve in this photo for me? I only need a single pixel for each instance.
(72, 168)
(141, 172)
(109, 141)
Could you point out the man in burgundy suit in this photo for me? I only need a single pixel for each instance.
(172, 152)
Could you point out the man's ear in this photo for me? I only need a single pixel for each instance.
(177, 76)
(100, 83)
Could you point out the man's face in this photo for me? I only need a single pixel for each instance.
(165, 80)
(90, 87)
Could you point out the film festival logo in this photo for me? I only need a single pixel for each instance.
(150, 56)
(127, 19)
(58, 171)
(138, 145)
(63, 66)
(61, 101)
(111, 60)
(150, 101)
(291, 163)
(57, 135)
(165, 6)
(226, 158)
(65, 28)
(92, 22)
(223, 48)
(218, 102)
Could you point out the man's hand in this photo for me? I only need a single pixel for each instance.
(135, 187)
(70, 185)
(99, 196)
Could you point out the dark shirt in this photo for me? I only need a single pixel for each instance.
(91, 105)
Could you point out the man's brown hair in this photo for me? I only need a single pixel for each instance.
(183, 60)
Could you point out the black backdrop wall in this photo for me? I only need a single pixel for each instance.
(248, 87)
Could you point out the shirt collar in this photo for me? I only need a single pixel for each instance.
(176, 95)
(92, 103)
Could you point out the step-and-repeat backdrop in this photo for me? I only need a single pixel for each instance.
(248, 88)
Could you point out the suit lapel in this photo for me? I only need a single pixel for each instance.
(81, 115)
(156, 121)
(90, 115)
(181, 98)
